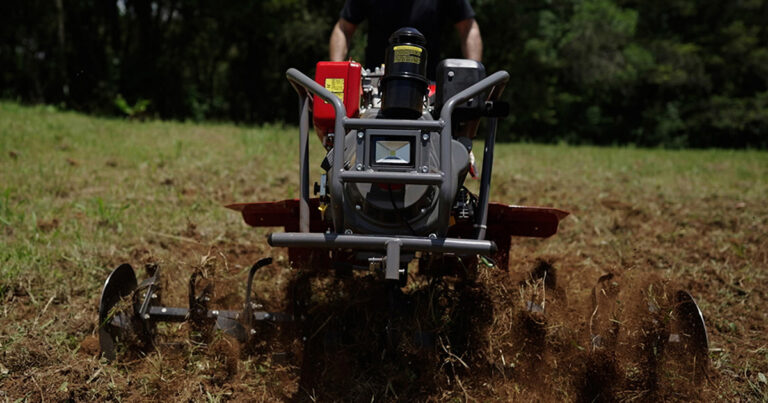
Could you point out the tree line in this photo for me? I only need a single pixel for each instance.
(673, 73)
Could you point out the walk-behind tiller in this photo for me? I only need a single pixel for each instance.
(392, 192)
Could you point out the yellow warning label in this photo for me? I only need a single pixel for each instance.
(336, 86)
(407, 54)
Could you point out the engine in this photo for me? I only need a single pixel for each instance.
(397, 91)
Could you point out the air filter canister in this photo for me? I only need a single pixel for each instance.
(404, 84)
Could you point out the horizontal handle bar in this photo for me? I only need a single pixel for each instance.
(376, 242)
(410, 178)
(431, 125)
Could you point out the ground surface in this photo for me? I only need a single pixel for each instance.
(80, 195)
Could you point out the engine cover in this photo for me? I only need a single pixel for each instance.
(395, 209)
(343, 79)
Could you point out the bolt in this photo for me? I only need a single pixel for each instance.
(164, 310)
(146, 316)
(267, 316)
(425, 136)
(358, 207)
(359, 167)
(424, 169)
(215, 313)
(433, 236)
(423, 210)
(348, 232)
(451, 74)
(253, 331)
(360, 135)
(154, 296)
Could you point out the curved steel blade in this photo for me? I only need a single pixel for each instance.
(120, 284)
(688, 326)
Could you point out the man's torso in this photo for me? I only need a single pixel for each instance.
(386, 16)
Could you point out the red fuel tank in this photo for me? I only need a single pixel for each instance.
(344, 80)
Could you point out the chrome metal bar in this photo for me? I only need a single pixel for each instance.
(170, 314)
(485, 180)
(379, 242)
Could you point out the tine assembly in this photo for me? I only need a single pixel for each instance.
(135, 324)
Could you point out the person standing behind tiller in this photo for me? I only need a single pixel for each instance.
(386, 16)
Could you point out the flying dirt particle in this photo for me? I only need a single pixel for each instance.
(111, 163)
(72, 162)
(47, 225)
(90, 346)
(13, 154)
(224, 355)
(600, 377)
(533, 327)
(613, 204)
(167, 182)
(544, 270)
(191, 231)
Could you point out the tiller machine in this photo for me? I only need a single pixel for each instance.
(392, 191)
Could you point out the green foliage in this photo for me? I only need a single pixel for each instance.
(138, 109)
(593, 42)
(673, 73)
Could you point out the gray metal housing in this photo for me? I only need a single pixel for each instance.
(368, 207)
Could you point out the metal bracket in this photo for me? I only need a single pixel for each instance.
(393, 259)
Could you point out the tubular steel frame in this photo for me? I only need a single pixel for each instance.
(305, 86)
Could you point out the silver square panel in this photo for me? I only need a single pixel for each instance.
(393, 152)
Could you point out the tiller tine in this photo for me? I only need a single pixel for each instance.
(545, 274)
(121, 321)
(201, 324)
(688, 340)
(670, 326)
(679, 333)
(603, 326)
(137, 323)
(114, 324)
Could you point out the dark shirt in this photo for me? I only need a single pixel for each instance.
(387, 16)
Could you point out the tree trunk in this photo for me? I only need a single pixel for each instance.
(62, 52)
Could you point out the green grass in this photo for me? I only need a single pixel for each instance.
(73, 189)
(79, 195)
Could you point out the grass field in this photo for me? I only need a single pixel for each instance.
(80, 195)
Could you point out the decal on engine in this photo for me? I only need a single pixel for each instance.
(407, 54)
(336, 86)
